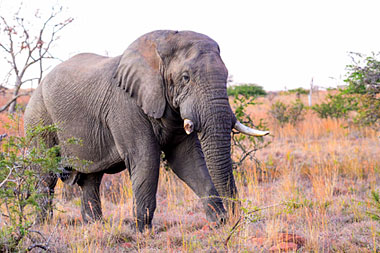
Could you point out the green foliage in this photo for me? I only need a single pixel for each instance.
(23, 161)
(374, 214)
(360, 96)
(18, 187)
(336, 106)
(299, 91)
(242, 145)
(247, 90)
(368, 111)
(293, 113)
(278, 112)
(363, 75)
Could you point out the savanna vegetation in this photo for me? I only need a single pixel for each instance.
(312, 185)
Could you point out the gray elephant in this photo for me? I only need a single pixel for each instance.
(165, 93)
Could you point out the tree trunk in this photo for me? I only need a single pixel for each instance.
(12, 107)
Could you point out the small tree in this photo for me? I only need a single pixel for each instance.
(27, 48)
(364, 84)
(360, 96)
(363, 75)
(293, 113)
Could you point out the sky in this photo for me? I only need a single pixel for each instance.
(275, 44)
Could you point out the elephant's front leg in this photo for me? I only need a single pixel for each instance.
(144, 177)
(187, 161)
(90, 203)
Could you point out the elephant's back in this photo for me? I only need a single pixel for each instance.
(88, 63)
(85, 67)
(78, 84)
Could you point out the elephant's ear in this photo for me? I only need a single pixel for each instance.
(139, 75)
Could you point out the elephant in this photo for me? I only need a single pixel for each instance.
(166, 93)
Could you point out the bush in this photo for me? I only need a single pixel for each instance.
(337, 106)
(19, 180)
(360, 96)
(364, 75)
(244, 146)
(293, 113)
(278, 112)
(18, 184)
(299, 91)
(247, 90)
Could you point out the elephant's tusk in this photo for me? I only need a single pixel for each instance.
(249, 131)
(188, 126)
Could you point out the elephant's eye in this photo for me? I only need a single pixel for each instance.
(185, 78)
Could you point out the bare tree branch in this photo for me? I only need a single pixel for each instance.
(12, 100)
(25, 50)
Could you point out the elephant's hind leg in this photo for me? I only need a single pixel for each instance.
(37, 115)
(90, 202)
(46, 188)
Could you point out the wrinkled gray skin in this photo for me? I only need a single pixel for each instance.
(129, 108)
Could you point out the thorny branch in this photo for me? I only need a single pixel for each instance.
(243, 219)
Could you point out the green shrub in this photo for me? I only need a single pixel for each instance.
(296, 112)
(336, 106)
(23, 161)
(247, 90)
(299, 91)
(278, 112)
(18, 184)
(363, 75)
(293, 113)
(374, 212)
(368, 111)
(244, 146)
(360, 96)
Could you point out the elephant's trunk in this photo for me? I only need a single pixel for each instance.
(215, 138)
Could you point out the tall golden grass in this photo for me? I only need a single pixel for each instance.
(313, 184)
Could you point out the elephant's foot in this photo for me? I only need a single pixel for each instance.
(91, 207)
(143, 219)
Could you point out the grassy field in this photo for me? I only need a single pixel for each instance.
(310, 193)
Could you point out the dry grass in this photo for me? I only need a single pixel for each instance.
(315, 179)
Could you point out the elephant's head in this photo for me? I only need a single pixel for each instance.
(184, 70)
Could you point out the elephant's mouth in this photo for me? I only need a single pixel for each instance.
(188, 125)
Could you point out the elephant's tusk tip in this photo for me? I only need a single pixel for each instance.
(249, 131)
(188, 126)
